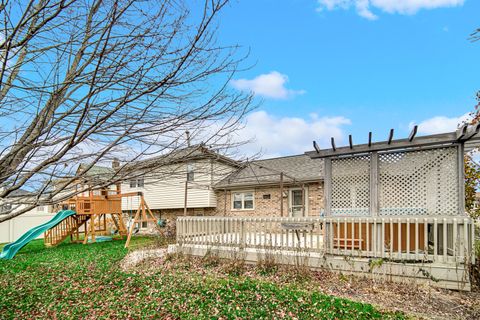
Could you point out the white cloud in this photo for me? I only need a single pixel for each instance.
(364, 7)
(276, 136)
(363, 10)
(440, 124)
(269, 85)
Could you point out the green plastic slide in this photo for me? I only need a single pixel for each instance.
(11, 249)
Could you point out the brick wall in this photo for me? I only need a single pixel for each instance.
(170, 215)
(269, 207)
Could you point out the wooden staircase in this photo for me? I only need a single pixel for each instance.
(68, 227)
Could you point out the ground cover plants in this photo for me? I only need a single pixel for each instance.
(74, 281)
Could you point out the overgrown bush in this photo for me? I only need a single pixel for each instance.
(211, 259)
(266, 264)
(169, 231)
(301, 271)
(234, 267)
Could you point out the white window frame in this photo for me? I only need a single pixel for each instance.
(134, 183)
(243, 192)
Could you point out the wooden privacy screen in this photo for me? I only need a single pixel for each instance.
(347, 234)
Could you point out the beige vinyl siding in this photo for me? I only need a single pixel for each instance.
(165, 189)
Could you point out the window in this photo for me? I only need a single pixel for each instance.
(242, 201)
(267, 196)
(40, 209)
(190, 172)
(137, 183)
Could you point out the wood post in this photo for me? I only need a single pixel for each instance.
(130, 232)
(304, 207)
(374, 180)
(225, 204)
(143, 214)
(327, 186)
(461, 179)
(281, 194)
(185, 203)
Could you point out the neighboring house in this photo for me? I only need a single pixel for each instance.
(256, 188)
(183, 178)
(95, 175)
(14, 228)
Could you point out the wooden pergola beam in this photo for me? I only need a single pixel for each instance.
(418, 142)
(462, 131)
(316, 147)
(413, 133)
(390, 136)
(469, 132)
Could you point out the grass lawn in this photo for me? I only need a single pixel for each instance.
(74, 281)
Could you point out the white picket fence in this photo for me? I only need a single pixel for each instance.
(405, 238)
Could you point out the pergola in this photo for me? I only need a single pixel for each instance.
(416, 176)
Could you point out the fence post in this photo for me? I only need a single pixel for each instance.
(242, 234)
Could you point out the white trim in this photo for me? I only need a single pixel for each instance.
(242, 192)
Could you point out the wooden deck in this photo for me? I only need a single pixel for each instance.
(428, 249)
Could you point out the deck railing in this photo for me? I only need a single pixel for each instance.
(95, 204)
(405, 238)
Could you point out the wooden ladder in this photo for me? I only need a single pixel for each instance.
(65, 228)
(119, 225)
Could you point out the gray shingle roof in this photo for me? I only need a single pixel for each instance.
(19, 193)
(96, 172)
(300, 168)
(195, 152)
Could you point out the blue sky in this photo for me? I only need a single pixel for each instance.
(339, 67)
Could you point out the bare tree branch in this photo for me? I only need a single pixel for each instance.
(87, 81)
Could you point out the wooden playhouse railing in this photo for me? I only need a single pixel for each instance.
(90, 219)
(405, 238)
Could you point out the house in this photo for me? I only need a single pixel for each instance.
(88, 177)
(256, 188)
(394, 209)
(178, 183)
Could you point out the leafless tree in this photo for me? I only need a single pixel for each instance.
(93, 80)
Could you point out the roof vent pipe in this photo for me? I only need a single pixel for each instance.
(187, 133)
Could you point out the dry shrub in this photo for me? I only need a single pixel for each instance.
(266, 264)
(179, 260)
(211, 259)
(169, 231)
(301, 271)
(234, 265)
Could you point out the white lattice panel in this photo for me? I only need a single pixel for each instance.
(350, 186)
(419, 183)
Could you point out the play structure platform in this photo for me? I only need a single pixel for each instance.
(92, 214)
(83, 219)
